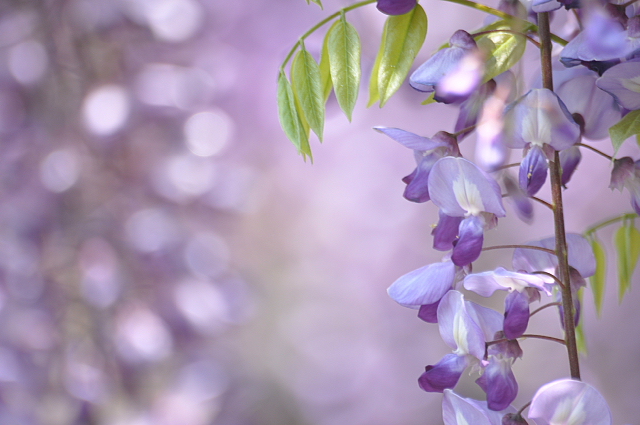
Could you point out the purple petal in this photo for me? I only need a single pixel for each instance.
(471, 108)
(457, 327)
(507, 349)
(516, 314)
(444, 374)
(576, 309)
(540, 117)
(429, 312)
(620, 82)
(444, 62)
(460, 411)
(513, 419)
(489, 320)
(462, 81)
(417, 189)
(459, 188)
(410, 140)
(499, 384)
(569, 160)
(469, 245)
(396, 7)
(523, 205)
(539, 6)
(486, 283)
(566, 402)
(581, 256)
(533, 171)
(425, 285)
(445, 232)
(623, 172)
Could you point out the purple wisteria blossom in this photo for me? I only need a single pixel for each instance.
(569, 402)
(578, 90)
(603, 39)
(466, 327)
(460, 189)
(539, 122)
(396, 7)
(523, 288)
(427, 152)
(626, 173)
(457, 410)
(623, 83)
(426, 285)
(453, 72)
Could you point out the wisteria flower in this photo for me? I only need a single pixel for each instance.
(517, 302)
(623, 83)
(539, 122)
(569, 402)
(425, 285)
(457, 410)
(460, 189)
(626, 173)
(427, 152)
(453, 72)
(396, 7)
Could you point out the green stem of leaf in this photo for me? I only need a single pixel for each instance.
(591, 230)
(504, 15)
(320, 24)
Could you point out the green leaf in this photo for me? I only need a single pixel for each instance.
(502, 49)
(429, 100)
(325, 71)
(581, 341)
(307, 87)
(627, 127)
(627, 241)
(344, 58)
(290, 121)
(599, 278)
(402, 39)
(374, 93)
(318, 2)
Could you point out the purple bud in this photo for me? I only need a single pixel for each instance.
(469, 245)
(444, 374)
(396, 7)
(533, 171)
(516, 314)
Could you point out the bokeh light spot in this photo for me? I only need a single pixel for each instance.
(106, 109)
(208, 132)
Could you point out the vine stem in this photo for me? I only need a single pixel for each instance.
(320, 24)
(602, 224)
(539, 309)
(558, 210)
(538, 248)
(598, 151)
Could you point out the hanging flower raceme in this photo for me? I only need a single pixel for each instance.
(462, 191)
(569, 402)
(626, 173)
(466, 327)
(523, 289)
(396, 7)
(453, 72)
(427, 152)
(540, 123)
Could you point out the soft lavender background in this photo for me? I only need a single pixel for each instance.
(167, 258)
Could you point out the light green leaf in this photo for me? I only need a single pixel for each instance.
(344, 58)
(627, 242)
(402, 40)
(374, 93)
(502, 50)
(318, 2)
(325, 71)
(289, 119)
(581, 340)
(627, 127)
(599, 278)
(307, 87)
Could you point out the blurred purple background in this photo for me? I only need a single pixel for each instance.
(167, 258)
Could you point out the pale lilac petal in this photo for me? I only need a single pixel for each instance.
(460, 411)
(429, 312)
(425, 285)
(581, 256)
(444, 374)
(462, 81)
(471, 108)
(459, 188)
(489, 320)
(444, 62)
(499, 383)
(569, 402)
(445, 232)
(457, 327)
(569, 160)
(486, 283)
(539, 6)
(533, 171)
(516, 314)
(623, 171)
(623, 83)
(532, 260)
(410, 140)
(396, 7)
(540, 117)
(522, 204)
(577, 89)
(417, 189)
(469, 245)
